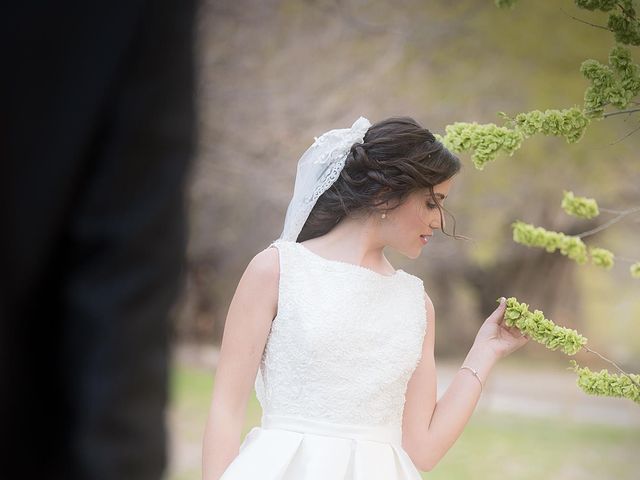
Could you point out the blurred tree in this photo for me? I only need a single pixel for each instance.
(273, 74)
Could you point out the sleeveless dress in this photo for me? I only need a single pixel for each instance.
(334, 372)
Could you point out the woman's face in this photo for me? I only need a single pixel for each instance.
(418, 215)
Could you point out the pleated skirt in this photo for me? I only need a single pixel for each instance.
(296, 448)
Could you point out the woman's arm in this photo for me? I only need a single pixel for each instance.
(431, 428)
(247, 326)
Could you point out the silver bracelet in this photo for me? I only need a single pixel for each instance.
(475, 373)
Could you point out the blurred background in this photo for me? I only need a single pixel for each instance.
(272, 74)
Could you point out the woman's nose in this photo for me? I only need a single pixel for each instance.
(437, 224)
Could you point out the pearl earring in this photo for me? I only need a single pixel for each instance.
(384, 215)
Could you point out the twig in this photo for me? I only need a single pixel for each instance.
(627, 135)
(612, 363)
(585, 22)
(611, 114)
(610, 210)
(625, 259)
(617, 218)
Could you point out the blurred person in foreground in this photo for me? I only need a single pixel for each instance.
(96, 136)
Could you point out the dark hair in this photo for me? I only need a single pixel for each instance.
(396, 158)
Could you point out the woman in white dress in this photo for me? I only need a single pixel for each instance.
(337, 343)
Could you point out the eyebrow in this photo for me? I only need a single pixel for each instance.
(442, 196)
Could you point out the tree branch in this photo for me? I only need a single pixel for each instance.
(585, 22)
(612, 363)
(611, 114)
(617, 218)
(627, 135)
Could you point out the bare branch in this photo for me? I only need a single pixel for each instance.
(616, 219)
(585, 22)
(611, 114)
(612, 363)
(627, 135)
(626, 259)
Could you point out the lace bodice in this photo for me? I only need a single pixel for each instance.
(344, 342)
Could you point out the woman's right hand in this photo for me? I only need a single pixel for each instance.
(498, 337)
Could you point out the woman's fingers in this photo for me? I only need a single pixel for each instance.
(499, 312)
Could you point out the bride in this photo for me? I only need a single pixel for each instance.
(338, 344)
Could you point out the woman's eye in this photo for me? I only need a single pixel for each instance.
(431, 205)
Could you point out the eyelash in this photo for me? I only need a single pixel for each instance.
(431, 205)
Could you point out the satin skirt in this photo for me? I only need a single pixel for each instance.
(296, 448)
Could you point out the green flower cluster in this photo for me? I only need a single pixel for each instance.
(616, 83)
(625, 29)
(579, 206)
(601, 257)
(571, 246)
(484, 140)
(606, 384)
(624, 25)
(541, 329)
(569, 123)
(604, 5)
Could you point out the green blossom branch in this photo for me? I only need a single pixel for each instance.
(623, 23)
(535, 326)
(616, 84)
(531, 236)
(570, 245)
(606, 384)
(486, 141)
(582, 207)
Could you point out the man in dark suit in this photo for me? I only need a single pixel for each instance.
(96, 134)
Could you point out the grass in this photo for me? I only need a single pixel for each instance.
(492, 446)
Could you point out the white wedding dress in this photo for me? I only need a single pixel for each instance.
(334, 373)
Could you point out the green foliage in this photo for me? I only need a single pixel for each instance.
(601, 257)
(622, 23)
(506, 3)
(604, 5)
(569, 123)
(571, 246)
(542, 330)
(624, 28)
(485, 141)
(606, 384)
(582, 207)
(615, 84)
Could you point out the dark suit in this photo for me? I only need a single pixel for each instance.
(96, 134)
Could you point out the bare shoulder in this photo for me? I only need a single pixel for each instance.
(261, 279)
(266, 264)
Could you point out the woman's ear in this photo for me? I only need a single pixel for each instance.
(380, 195)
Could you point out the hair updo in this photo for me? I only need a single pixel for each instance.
(396, 158)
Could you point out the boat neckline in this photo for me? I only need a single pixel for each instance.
(349, 264)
